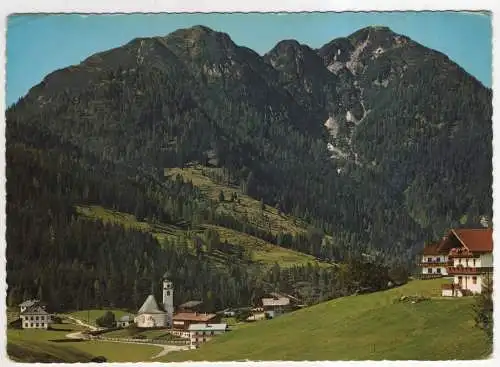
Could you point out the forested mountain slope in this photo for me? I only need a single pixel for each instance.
(373, 141)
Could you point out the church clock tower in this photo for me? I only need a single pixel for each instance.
(168, 298)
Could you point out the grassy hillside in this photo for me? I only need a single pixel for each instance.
(262, 252)
(211, 182)
(366, 327)
(52, 346)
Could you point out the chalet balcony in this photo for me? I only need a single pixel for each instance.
(461, 253)
(465, 270)
(429, 276)
(435, 263)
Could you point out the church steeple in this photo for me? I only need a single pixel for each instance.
(168, 298)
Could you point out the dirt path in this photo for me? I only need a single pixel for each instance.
(165, 348)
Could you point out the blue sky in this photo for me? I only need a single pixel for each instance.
(40, 44)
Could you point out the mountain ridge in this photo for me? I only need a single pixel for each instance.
(383, 152)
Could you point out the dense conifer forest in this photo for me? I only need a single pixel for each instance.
(409, 156)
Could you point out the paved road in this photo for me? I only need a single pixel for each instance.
(165, 349)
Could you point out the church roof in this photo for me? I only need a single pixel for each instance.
(150, 306)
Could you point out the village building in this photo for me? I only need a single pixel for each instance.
(201, 333)
(35, 317)
(469, 260)
(190, 306)
(124, 321)
(276, 306)
(150, 315)
(28, 303)
(182, 321)
(434, 261)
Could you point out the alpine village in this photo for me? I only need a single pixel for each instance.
(183, 198)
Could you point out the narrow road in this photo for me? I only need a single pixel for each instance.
(165, 349)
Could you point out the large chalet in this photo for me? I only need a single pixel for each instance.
(466, 255)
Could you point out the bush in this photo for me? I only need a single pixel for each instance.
(107, 320)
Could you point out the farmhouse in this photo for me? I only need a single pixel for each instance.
(124, 321)
(201, 333)
(35, 317)
(190, 306)
(275, 306)
(469, 260)
(434, 261)
(182, 321)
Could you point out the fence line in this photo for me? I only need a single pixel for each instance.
(145, 341)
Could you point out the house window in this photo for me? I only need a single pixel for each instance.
(474, 280)
(438, 270)
(168, 293)
(31, 318)
(429, 259)
(37, 324)
(31, 325)
(460, 261)
(36, 318)
(460, 280)
(25, 324)
(474, 262)
(438, 259)
(429, 270)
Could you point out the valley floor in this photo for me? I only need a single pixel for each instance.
(375, 326)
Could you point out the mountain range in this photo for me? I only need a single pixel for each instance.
(375, 141)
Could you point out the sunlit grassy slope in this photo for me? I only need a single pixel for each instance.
(246, 207)
(365, 327)
(262, 252)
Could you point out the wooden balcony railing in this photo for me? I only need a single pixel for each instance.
(452, 270)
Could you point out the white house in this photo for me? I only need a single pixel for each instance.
(150, 315)
(124, 321)
(434, 261)
(201, 333)
(275, 306)
(35, 317)
(469, 260)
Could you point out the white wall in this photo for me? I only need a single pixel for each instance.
(468, 282)
(447, 293)
(35, 321)
(486, 260)
(151, 320)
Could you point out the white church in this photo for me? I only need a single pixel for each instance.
(150, 315)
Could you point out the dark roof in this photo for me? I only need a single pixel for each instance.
(126, 318)
(476, 240)
(191, 316)
(29, 303)
(433, 249)
(190, 304)
(34, 310)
